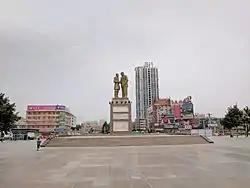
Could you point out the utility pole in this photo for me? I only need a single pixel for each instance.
(210, 122)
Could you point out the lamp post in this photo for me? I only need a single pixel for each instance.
(204, 126)
(210, 122)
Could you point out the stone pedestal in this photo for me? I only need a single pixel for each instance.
(120, 115)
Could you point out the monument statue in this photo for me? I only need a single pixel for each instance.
(124, 85)
(120, 106)
(116, 86)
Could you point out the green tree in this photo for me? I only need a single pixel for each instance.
(78, 127)
(246, 120)
(108, 128)
(8, 114)
(104, 127)
(233, 118)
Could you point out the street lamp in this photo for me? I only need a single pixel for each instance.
(204, 126)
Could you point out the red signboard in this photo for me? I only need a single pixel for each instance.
(41, 107)
(177, 111)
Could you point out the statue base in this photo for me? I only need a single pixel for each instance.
(120, 116)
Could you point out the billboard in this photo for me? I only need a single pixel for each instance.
(165, 111)
(162, 110)
(187, 110)
(60, 107)
(177, 111)
(46, 107)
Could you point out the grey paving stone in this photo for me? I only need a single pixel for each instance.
(223, 164)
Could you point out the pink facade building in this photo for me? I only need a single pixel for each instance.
(47, 118)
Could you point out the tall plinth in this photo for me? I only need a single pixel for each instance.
(120, 115)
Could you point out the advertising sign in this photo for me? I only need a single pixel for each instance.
(46, 107)
(187, 110)
(164, 115)
(165, 111)
(41, 107)
(177, 111)
(60, 107)
(168, 126)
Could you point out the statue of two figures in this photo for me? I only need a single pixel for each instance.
(122, 83)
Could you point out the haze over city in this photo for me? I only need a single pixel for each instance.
(67, 52)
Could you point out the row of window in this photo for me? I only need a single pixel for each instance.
(47, 122)
(43, 123)
(48, 117)
(42, 117)
(42, 113)
(44, 127)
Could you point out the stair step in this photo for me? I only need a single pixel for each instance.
(111, 141)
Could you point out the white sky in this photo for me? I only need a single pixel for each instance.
(67, 52)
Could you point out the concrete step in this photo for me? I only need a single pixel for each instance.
(111, 141)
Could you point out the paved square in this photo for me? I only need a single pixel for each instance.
(223, 164)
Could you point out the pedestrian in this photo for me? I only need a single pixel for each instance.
(2, 136)
(38, 143)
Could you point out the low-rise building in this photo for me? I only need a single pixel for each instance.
(141, 124)
(91, 126)
(73, 121)
(168, 115)
(21, 124)
(48, 118)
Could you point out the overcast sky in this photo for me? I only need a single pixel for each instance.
(67, 51)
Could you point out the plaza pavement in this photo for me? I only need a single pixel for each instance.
(225, 164)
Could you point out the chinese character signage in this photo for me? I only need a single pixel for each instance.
(46, 107)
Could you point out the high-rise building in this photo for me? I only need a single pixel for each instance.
(47, 118)
(147, 88)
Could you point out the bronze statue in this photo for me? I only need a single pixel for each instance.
(124, 85)
(116, 86)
